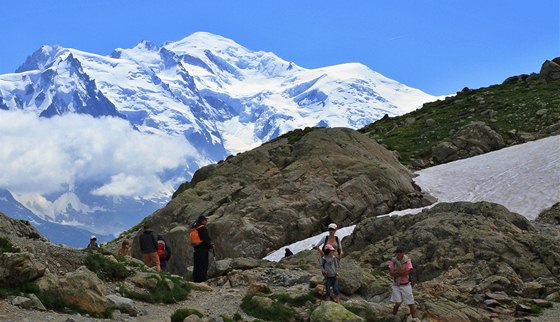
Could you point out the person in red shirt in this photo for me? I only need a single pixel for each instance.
(400, 267)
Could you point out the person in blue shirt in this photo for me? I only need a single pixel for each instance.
(92, 243)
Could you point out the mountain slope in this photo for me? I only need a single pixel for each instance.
(523, 108)
(206, 94)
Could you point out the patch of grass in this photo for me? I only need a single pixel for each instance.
(235, 317)
(7, 247)
(299, 300)
(24, 288)
(365, 312)
(106, 269)
(181, 314)
(178, 290)
(131, 230)
(537, 309)
(277, 312)
(513, 106)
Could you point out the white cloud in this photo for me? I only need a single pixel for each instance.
(39, 155)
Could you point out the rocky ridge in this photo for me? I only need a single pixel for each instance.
(286, 190)
(473, 262)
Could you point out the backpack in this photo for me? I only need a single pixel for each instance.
(337, 244)
(161, 249)
(194, 236)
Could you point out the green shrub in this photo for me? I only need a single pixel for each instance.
(29, 287)
(181, 314)
(299, 300)
(162, 293)
(106, 269)
(278, 311)
(365, 312)
(537, 309)
(7, 247)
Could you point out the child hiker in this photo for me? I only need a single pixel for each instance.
(329, 269)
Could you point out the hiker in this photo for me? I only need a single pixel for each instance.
(329, 269)
(164, 253)
(400, 267)
(92, 243)
(288, 253)
(202, 244)
(148, 246)
(125, 248)
(330, 239)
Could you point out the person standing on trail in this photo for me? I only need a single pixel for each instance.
(400, 267)
(329, 269)
(149, 246)
(202, 243)
(164, 253)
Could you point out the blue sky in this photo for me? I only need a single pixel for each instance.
(436, 46)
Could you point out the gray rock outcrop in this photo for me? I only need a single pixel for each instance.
(463, 251)
(17, 268)
(473, 139)
(284, 191)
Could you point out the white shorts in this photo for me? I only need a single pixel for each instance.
(403, 292)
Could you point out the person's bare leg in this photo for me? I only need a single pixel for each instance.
(412, 308)
(396, 308)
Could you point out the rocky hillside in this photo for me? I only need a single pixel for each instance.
(521, 109)
(473, 262)
(286, 190)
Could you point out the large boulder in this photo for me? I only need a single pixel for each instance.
(286, 190)
(550, 215)
(473, 139)
(81, 288)
(330, 311)
(17, 268)
(550, 70)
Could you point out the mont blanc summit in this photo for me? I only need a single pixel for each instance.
(126, 129)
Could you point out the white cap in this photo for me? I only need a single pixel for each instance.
(332, 226)
(93, 237)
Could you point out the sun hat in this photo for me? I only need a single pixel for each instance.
(93, 237)
(329, 247)
(332, 226)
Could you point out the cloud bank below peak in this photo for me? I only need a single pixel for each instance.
(83, 148)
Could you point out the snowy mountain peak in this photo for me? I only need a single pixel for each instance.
(196, 101)
(41, 58)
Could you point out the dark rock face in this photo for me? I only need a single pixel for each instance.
(287, 190)
(464, 250)
(550, 70)
(550, 215)
(473, 139)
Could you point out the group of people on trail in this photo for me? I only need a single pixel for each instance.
(155, 250)
(400, 267)
(156, 253)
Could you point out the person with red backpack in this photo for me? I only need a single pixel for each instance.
(164, 253)
(202, 243)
